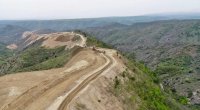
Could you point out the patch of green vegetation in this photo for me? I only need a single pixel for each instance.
(183, 100)
(193, 33)
(92, 41)
(55, 62)
(195, 107)
(117, 82)
(171, 70)
(182, 61)
(174, 66)
(4, 53)
(141, 87)
(34, 56)
(198, 49)
(38, 58)
(151, 95)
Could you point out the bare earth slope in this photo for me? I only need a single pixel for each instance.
(42, 87)
(92, 100)
(97, 95)
(68, 39)
(88, 71)
(56, 88)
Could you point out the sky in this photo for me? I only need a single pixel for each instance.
(68, 9)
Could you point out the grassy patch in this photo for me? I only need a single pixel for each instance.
(4, 53)
(55, 62)
(38, 58)
(140, 86)
(174, 66)
(172, 70)
(138, 90)
(150, 94)
(183, 100)
(92, 41)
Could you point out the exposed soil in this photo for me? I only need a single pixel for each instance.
(12, 46)
(89, 71)
(64, 38)
(68, 39)
(37, 90)
(97, 95)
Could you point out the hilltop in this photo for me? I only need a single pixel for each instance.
(170, 48)
(86, 76)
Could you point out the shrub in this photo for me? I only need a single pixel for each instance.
(171, 70)
(117, 82)
(183, 100)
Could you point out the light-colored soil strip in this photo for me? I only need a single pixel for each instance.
(83, 84)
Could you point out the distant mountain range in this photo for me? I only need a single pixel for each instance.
(12, 29)
(66, 24)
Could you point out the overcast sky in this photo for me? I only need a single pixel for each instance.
(65, 9)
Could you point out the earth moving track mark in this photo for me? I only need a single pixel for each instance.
(33, 93)
(83, 84)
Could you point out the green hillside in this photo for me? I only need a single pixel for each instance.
(170, 48)
(36, 58)
(137, 87)
(4, 53)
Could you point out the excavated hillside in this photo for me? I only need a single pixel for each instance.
(59, 88)
(92, 78)
(41, 51)
(68, 39)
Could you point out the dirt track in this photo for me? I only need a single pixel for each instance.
(69, 81)
(83, 84)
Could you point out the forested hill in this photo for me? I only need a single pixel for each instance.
(171, 48)
(152, 39)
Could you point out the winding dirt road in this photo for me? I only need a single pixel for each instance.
(83, 84)
(57, 92)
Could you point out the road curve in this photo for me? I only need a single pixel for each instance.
(83, 84)
(39, 97)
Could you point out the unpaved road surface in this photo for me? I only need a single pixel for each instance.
(83, 84)
(53, 89)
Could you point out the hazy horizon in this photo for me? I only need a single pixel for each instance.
(65, 9)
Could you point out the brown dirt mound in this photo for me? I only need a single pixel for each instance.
(68, 39)
(64, 38)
